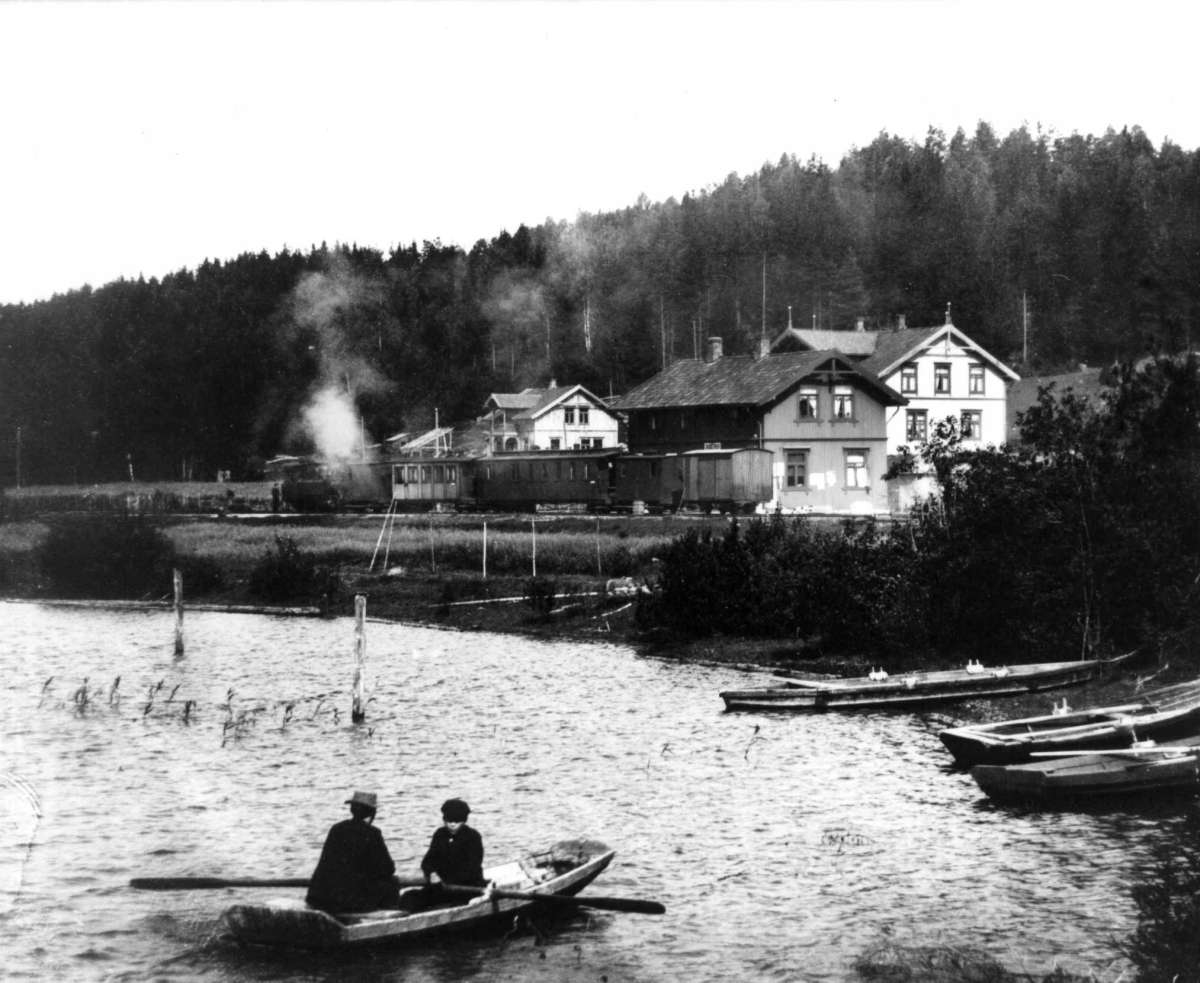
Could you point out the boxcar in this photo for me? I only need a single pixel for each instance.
(523, 481)
(427, 483)
(728, 479)
(654, 480)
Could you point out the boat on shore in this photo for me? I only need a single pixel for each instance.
(1163, 714)
(1173, 767)
(880, 691)
(562, 870)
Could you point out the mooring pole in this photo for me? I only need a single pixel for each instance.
(485, 550)
(358, 707)
(533, 538)
(177, 581)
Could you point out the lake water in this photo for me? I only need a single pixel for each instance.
(783, 846)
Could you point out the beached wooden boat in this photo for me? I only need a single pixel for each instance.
(916, 689)
(1164, 768)
(1162, 714)
(564, 869)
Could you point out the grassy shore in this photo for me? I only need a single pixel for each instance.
(430, 569)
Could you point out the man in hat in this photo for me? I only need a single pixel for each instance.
(455, 853)
(355, 872)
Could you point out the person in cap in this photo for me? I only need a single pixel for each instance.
(355, 871)
(455, 854)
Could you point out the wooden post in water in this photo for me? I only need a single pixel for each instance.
(599, 568)
(358, 706)
(533, 539)
(177, 582)
(485, 550)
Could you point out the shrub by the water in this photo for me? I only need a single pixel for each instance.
(107, 557)
(541, 595)
(286, 573)
(1165, 947)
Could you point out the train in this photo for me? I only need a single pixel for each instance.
(598, 480)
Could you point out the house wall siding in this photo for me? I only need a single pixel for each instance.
(826, 441)
(992, 404)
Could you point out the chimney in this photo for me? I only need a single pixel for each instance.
(715, 349)
(789, 317)
(860, 324)
(948, 321)
(764, 347)
(553, 383)
(902, 323)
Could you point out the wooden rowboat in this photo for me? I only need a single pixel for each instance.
(564, 869)
(1162, 714)
(916, 689)
(1173, 767)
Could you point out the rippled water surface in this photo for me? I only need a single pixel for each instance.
(783, 846)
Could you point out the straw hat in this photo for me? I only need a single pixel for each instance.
(367, 799)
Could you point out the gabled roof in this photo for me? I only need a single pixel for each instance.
(894, 348)
(553, 397)
(860, 343)
(523, 400)
(741, 380)
(1087, 383)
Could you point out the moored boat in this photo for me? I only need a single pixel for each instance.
(880, 691)
(1162, 714)
(563, 870)
(1162, 768)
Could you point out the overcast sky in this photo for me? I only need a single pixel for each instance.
(141, 138)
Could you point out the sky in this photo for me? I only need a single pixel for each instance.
(140, 138)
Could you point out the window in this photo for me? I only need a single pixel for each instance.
(972, 424)
(797, 469)
(545, 471)
(975, 380)
(452, 473)
(843, 403)
(806, 408)
(682, 420)
(916, 426)
(653, 422)
(941, 378)
(425, 474)
(555, 444)
(597, 442)
(568, 414)
(908, 378)
(856, 468)
(439, 474)
(583, 415)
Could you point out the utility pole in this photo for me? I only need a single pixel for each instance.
(1024, 328)
(764, 294)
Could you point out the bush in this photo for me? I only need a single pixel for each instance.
(106, 557)
(287, 573)
(541, 595)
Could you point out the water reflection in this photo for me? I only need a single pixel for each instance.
(777, 842)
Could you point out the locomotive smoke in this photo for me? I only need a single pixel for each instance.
(323, 303)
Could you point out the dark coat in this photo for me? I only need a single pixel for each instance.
(456, 858)
(355, 870)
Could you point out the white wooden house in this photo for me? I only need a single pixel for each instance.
(551, 419)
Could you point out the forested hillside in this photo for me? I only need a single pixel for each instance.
(1080, 248)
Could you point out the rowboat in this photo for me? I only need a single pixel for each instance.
(1162, 714)
(563, 870)
(880, 691)
(1173, 767)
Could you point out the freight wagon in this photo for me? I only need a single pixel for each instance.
(725, 479)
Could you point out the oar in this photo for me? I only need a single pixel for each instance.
(206, 883)
(209, 883)
(633, 905)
